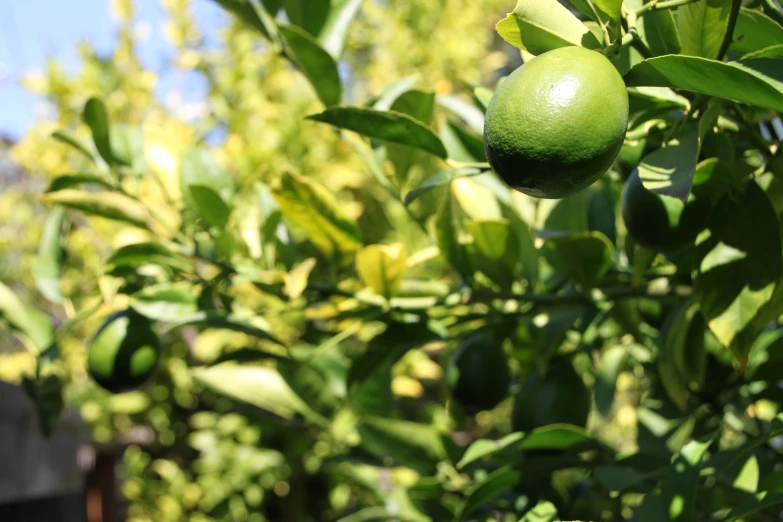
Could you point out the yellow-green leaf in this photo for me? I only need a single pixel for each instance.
(382, 267)
(110, 205)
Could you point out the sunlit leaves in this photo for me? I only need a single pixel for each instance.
(311, 207)
(542, 25)
(756, 82)
(48, 264)
(382, 267)
(739, 268)
(110, 205)
(702, 26)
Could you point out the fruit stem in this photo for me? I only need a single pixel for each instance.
(654, 5)
(627, 39)
(607, 38)
(727, 38)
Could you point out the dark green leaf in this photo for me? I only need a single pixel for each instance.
(245, 356)
(419, 105)
(96, 117)
(389, 347)
(585, 257)
(756, 82)
(755, 31)
(447, 234)
(542, 25)
(310, 15)
(314, 62)
(554, 437)
(48, 264)
(659, 31)
(110, 205)
(677, 350)
(210, 205)
(140, 254)
(335, 31)
(773, 51)
(487, 489)
(617, 478)
(740, 267)
(74, 180)
(702, 26)
(763, 501)
(411, 444)
(385, 126)
(46, 394)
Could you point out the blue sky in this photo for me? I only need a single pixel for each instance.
(32, 30)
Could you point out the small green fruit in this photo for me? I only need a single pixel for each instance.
(124, 353)
(482, 373)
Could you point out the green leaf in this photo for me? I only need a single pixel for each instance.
(617, 478)
(224, 321)
(96, 117)
(46, 394)
(659, 31)
(584, 257)
(296, 278)
(773, 51)
(498, 250)
(335, 31)
(466, 111)
(310, 15)
(476, 200)
(610, 7)
(763, 501)
(755, 31)
(419, 105)
(198, 167)
(127, 143)
(483, 448)
(389, 347)
(74, 180)
(259, 386)
(669, 170)
(748, 477)
(554, 437)
(739, 267)
(676, 350)
(537, 26)
(314, 209)
(418, 446)
(391, 127)
(314, 62)
(756, 82)
(210, 205)
(48, 264)
(166, 301)
(74, 141)
(35, 326)
(544, 511)
(702, 26)
(462, 145)
(448, 236)
(245, 11)
(484, 491)
(439, 179)
(382, 267)
(245, 356)
(110, 205)
(148, 253)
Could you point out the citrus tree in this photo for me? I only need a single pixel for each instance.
(567, 310)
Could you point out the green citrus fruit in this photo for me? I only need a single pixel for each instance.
(557, 123)
(482, 373)
(661, 223)
(558, 396)
(124, 352)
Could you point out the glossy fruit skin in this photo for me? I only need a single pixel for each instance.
(124, 352)
(483, 377)
(557, 123)
(558, 396)
(648, 223)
